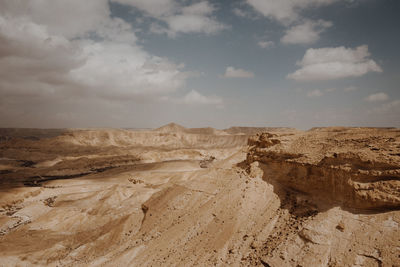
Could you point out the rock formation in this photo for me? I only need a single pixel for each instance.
(200, 197)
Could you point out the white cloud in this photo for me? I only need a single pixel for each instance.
(192, 24)
(329, 54)
(290, 14)
(334, 63)
(129, 70)
(195, 98)
(67, 18)
(243, 11)
(201, 8)
(378, 97)
(35, 60)
(116, 30)
(266, 44)
(154, 8)
(305, 33)
(62, 60)
(32, 60)
(285, 11)
(315, 93)
(240, 12)
(194, 18)
(232, 72)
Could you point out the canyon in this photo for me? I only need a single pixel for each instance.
(176, 196)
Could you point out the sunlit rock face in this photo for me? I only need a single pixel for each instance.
(177, 196)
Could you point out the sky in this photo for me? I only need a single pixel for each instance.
(146, 63)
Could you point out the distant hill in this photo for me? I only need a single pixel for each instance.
(176, 128)
(30, 133)
(171, 127)
(255, 130)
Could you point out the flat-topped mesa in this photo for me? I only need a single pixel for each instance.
(256, 130)
(366, 179)
(176, 128)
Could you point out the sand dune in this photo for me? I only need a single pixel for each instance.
(175, 196)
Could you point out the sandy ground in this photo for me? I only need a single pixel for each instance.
(200, 197)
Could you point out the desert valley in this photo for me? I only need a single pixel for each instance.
(199, 133)
(176, 196)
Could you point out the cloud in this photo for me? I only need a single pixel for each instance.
(289, 13)
(266, 44)
(315, 93)
(194, 18)
(378, 97)
(67, 18)
(231, 72)
(195, 98)
(243, 11)
(200, 8)
(286, 11)
(305, 33)
(240, 12)
(192, 24)
(45, 63)
(154, 8)
(70, 20)
(129, 70)
(334, 63)
(30, 53)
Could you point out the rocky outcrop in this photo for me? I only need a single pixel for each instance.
(339, 194)
(337, 179)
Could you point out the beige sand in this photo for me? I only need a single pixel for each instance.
(205, 197)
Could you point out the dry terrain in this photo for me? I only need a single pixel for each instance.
(200, 197)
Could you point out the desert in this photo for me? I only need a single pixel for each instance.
(177, 196)
(199, 133)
